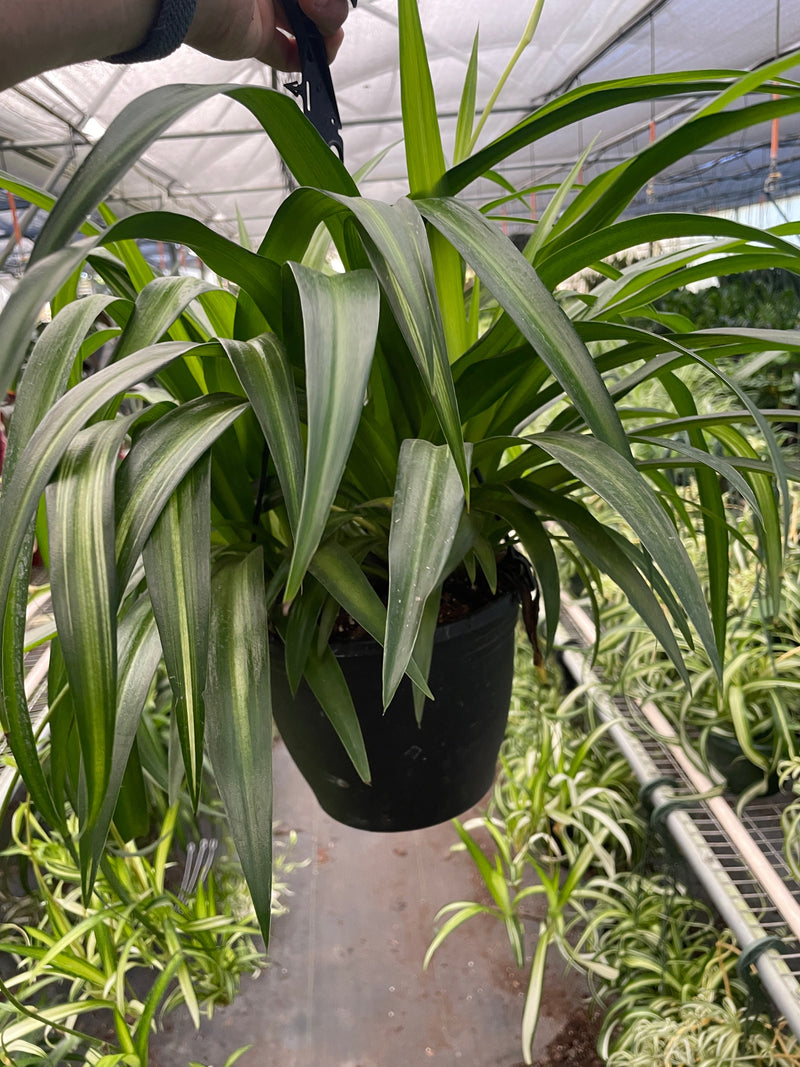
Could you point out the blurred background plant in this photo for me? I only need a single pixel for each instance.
(164, 928)
(564, 824)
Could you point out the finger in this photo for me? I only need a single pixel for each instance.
(329, 16)
(333, 43)
(280, 52)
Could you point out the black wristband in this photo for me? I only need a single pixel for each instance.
(166, 34)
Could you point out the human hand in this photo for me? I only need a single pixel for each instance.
(252, 29)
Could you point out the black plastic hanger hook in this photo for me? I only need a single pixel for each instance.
(315, 88)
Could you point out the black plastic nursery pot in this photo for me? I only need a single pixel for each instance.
(725, 753)
(421, 775)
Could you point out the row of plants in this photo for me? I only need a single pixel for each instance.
(169, 923)
(744, 723)
(564, 824)
(267, 457)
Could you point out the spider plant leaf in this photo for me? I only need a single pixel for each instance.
(143, 120)
(48, 369)
(714, 516)
(264, 370)
(80, 517)
(423, 647)
(346, 582)
(177, 565)
(575, 105)
(517, 288)
(539, 550)
(340, 322)
(157, 307)
(492, 877)
(549, 216)
(533, 994)
(423, 141)
(156, 994)
(47, 373)
(301, 628)
(239, 718)
(21, 494)
(54, 1015)
(625, 181)
(737, 706)
(21, 313)
(400, 254)
(138, 656)
(327, 683)
(67, 964)
(466, 107)
(40, 197)
(160, 457)
(594, 542)
(66, 418)
(428, 503)
(561, 259)
(466, 910)
(16, 719)
(771, 532)
(619, 483)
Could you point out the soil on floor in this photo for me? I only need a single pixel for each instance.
(575, 1043)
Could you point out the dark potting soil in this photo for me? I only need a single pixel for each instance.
(575, 1044)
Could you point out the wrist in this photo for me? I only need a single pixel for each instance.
(164, 33)
(89, 29)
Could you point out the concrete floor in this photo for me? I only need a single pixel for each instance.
(346, 986)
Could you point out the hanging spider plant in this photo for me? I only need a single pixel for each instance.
(265, 453)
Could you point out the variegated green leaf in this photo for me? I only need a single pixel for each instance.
(160, 303)
(517, 288)
(20, 500)
(340, 323)
(302, 628)
(239, 718)
(423, 646)
(24, 306)
(177, 563)
(48, 369)
(619, 483)
(138, 656)
(266, 376)
(612, 555)
(160, 457)
(428, 503)
(466, 107)
(15, 715)
(149, 115)
(346, 582)
(423, 141)
(328, 684)
(398, 248)
(80, 517)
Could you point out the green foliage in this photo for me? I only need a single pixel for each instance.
(564, 824)
(765, 299)
(562, 808)
(676, 997)
(134, 952)
(265, 419)
(755, 702)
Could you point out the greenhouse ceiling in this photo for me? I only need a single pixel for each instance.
(217, 165)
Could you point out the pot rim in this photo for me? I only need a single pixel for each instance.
(496, 610)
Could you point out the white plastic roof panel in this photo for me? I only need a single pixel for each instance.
(215, 160)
